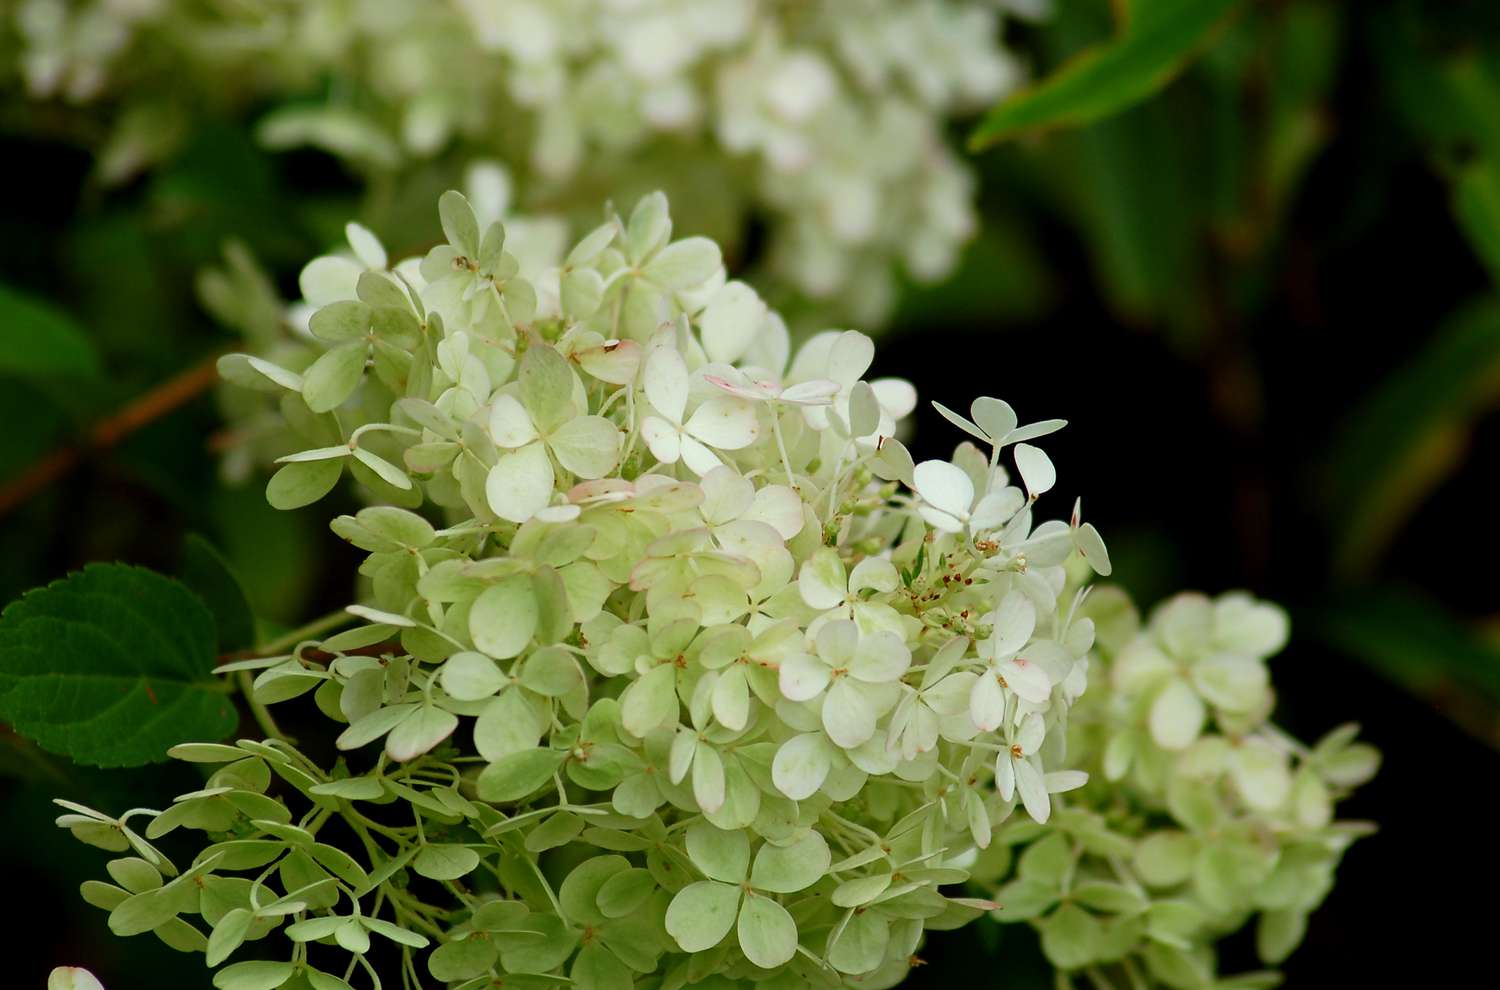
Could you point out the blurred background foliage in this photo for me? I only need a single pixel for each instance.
(1251, 250)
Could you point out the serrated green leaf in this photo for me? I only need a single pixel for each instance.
(111, 666)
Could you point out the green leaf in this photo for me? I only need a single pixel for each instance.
(39, 342)
(1158, 39)
(111, 666)
(1424, 648)
(1476, 204)
(205, 571)
(1411, 434)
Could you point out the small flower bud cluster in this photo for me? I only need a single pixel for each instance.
(673, 664)
(1200, 815)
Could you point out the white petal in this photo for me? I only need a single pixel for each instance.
(730, 320)
(1036, 469)
(328, 279)
(801, 765)
(995, 417)
(779, 507)
(837, 642)
(821, 581)
(708, 779)
(726, 496)
(803, 677)
(1028, 680)
(1033, 732)
(510, 424)
(880, 658)
(987, 703)
(1014, 622)
(849, 357)
(940, 520)
(1005, 775)
(945, 487)
(662, 439)
(1062, 781)
(520, 483)
(996, 508)
(897, 396)
(817, 392)
(1033, 791)
(699, 459)
(666, 380)
(728, 424)
(848, 717)
(367, 247)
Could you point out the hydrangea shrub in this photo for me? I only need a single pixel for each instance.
(826, 118)
(673, 668)
(685, 670)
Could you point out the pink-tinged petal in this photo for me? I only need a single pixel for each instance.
(987, 703)
(1029, 681)
(818, 392)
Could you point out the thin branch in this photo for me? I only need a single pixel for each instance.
(108, 432)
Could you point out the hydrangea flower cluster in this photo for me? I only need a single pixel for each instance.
(827, 118)
(683, 668)
(1200, 814)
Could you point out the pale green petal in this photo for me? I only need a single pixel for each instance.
(520, 483)
(786, 869)
(504, 617)
(1177, 715)
(767, 933)
(720, 854)
(801, 765)
(589, 446)
(701, 914)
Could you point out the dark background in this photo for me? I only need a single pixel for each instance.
(1264, 300)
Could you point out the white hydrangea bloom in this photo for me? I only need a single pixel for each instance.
(825, 118)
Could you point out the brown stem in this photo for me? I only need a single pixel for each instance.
(148, 408)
